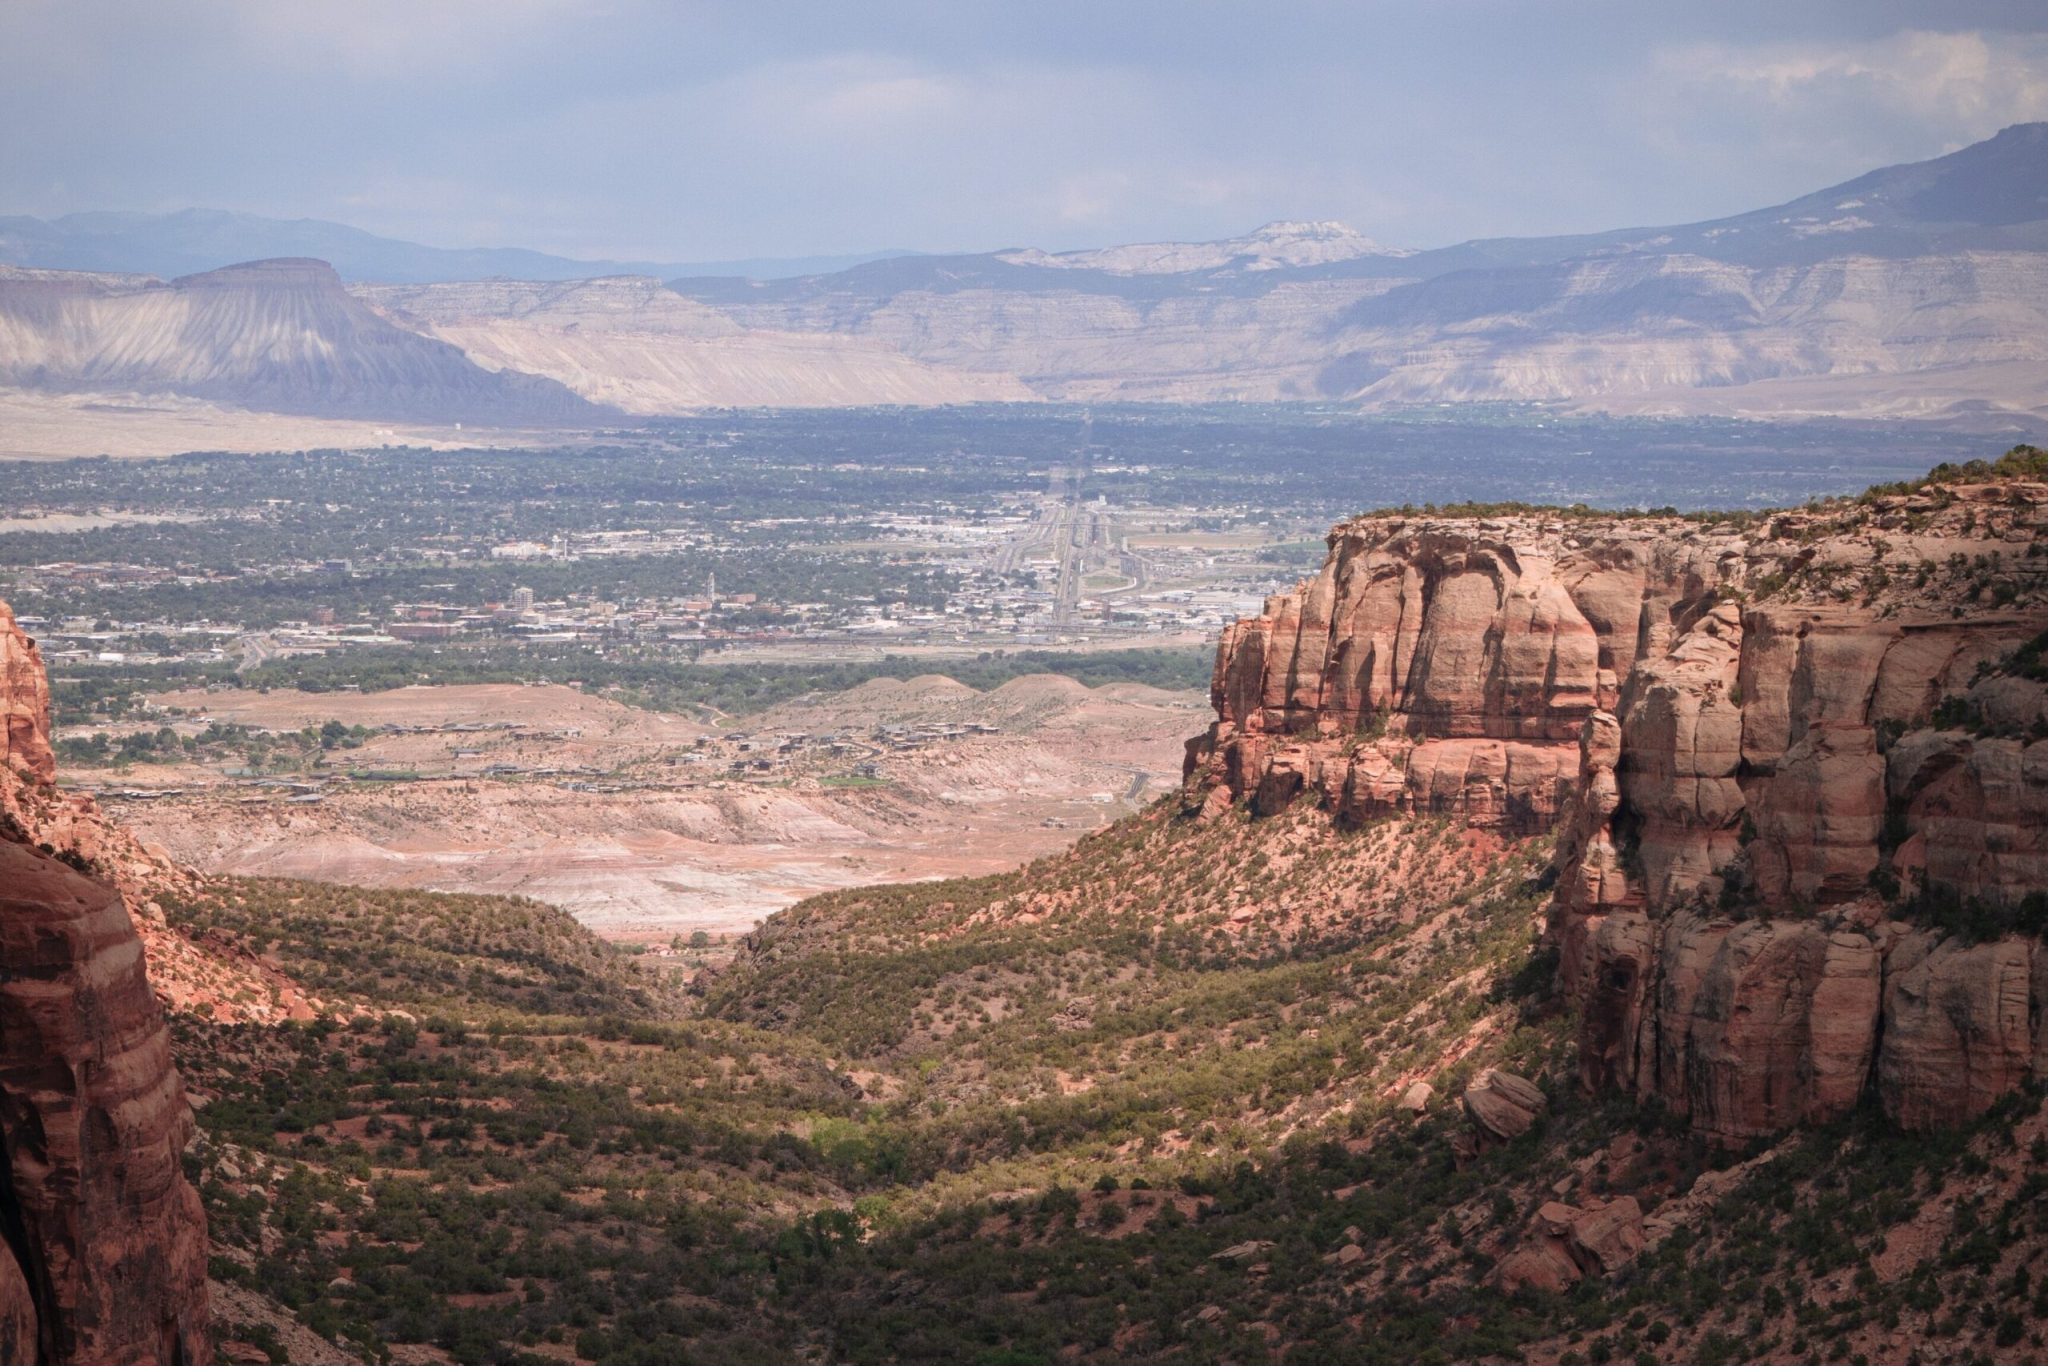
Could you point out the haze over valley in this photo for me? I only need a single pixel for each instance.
(1911, 291)
(1020, 685)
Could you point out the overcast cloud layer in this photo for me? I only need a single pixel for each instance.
(632, 129)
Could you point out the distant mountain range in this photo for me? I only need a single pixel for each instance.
(1917, 290)
(278, 336)
(196, 240)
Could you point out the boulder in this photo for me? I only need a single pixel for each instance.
(1242, 1252)
(1416, 1098)
(1604, 1239)
(1541, 1264)
(1503, 1106)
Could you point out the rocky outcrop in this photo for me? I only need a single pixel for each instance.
(1570, 1242)
(1503, 1106)
(1815, 760)
(104, 1251)
(24, 707)
(1756, 743)
(105, 1258)
(1444, 666)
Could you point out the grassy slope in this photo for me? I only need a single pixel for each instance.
(1011, 1117)
(1004, 1118)
(1130, 1102)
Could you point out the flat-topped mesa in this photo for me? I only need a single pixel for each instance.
(1756, 742)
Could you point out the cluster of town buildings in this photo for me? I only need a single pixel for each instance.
(1004, 591)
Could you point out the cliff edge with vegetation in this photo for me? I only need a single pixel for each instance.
(1795, 764)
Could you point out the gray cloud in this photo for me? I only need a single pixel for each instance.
(637, 128)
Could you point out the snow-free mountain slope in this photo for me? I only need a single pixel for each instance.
(633, 344)
(1917, 290)
(282, 336)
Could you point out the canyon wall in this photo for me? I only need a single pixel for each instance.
(102, 1240)
(1797, 768)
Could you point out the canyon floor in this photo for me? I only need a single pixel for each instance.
(646, 825)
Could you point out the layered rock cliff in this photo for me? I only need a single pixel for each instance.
(102, 1239)
(1797, 768)
(34, 808)
(217, 980)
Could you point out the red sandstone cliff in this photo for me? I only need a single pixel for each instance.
(104, 1251)
(1752, 743)
(223, 984)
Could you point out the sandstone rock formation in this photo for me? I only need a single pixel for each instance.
(106, 1251)
(1756, 744)
(1503, 1106)
(1570, 1242)
(1444, 666)
(226, 986)
(106, 1255)
(24, 707)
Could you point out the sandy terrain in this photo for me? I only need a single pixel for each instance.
(61, 426)
(636, 821)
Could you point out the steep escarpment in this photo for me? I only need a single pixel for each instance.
(105, 1258)
(212, 979)
(104, 1252)
(1796, 767)
(637, 346)
(279, 336)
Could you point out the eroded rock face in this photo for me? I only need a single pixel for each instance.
(104, 1258)
(1439, 666)
(24, 703)
(1788, 760)
(110, 1260)
(1747, 740)
(1748, 1028)
(1964, 1025)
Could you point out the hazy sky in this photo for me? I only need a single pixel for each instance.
(627, 128)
